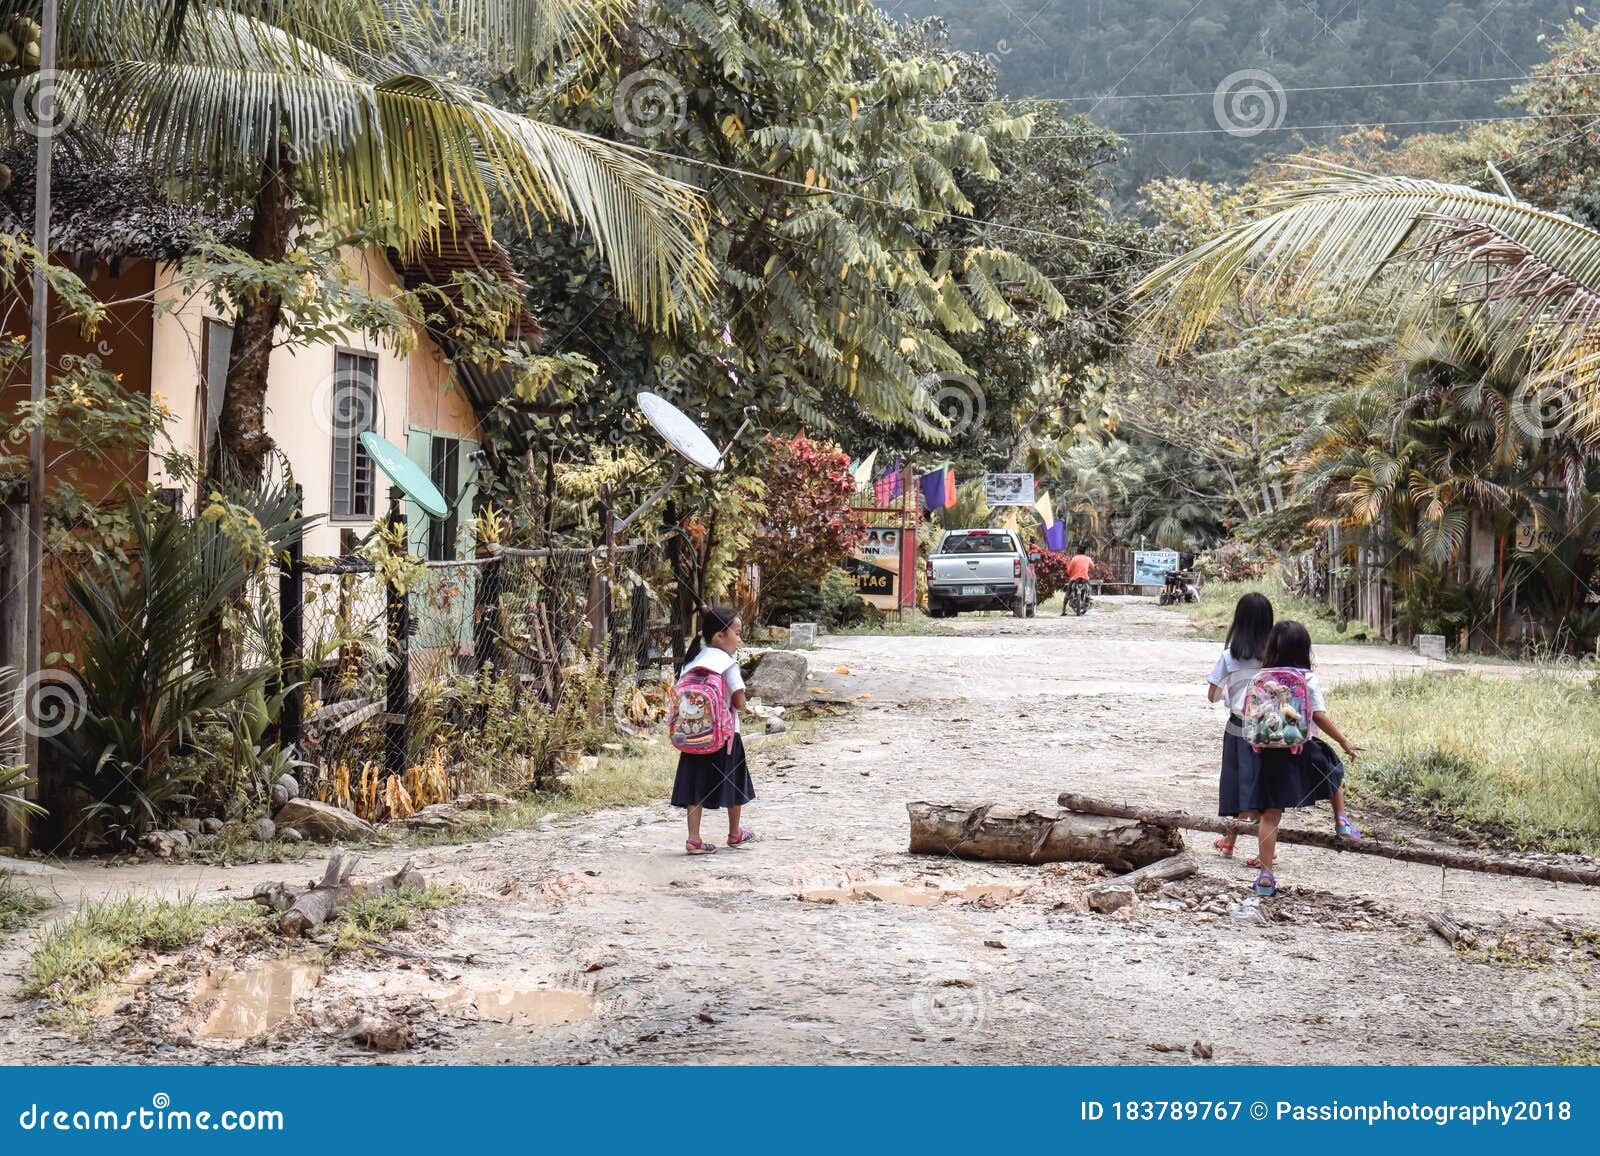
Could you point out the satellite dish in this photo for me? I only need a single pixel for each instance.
(405, 474)
(680, 432)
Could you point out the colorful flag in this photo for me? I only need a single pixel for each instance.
(863, 471)
(1055, 535)
(938, 488)
(1046, 509)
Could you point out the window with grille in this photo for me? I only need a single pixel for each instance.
(355, 404)
(445, 470)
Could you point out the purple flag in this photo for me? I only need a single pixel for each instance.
(1055, 535)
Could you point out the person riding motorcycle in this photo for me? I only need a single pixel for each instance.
(1078, 569)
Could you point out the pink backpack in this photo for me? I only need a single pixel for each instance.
(700, 721)
(1277, 709)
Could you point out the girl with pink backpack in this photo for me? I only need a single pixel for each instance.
(704, 725)
(1283, 712)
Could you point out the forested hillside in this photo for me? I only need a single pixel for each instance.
(1394, 61)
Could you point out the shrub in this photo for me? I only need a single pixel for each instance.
(833, 602)
(810, 525)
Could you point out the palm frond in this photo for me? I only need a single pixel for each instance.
(1343, 231)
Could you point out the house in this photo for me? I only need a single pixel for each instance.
(126, 239)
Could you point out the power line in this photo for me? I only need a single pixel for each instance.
(1238, 131)
(1212, 92)
(813, 190)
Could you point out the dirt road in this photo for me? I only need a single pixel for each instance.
(825, 942)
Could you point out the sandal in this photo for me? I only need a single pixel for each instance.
(1253, 861)
(1344, 827)
(1266, 885)
(745, 835)
(1224, 848)
(697, 847)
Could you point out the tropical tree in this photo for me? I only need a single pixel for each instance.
(1410, 249)
(323, 109)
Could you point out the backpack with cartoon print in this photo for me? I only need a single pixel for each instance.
(700, 721)
(1277, 709)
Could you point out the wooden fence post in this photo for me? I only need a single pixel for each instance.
(398, 618)
(291, 634)
(18, 829)
(486, 613)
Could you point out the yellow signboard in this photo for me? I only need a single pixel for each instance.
(875, 566)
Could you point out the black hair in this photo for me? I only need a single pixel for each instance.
(714, 621)
(1252, 622)
(1289, 644)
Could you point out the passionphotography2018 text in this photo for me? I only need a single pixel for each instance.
(1488, 1112)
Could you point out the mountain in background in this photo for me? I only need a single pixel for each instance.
(1247, 63)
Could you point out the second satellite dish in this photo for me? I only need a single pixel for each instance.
(405, 474)
(680, 432)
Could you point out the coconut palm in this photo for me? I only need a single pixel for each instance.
(326, 109)
(1413, 247)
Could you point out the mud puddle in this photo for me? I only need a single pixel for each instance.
(255, 1000)
(524, 1007)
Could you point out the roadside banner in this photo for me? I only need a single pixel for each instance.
(875, 566)
(1150, 566)
(1008, 489)
(1046, 510)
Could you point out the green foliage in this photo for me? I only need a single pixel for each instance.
(834, 602)
(142, 661)
(75, 957)
(1512, 757)
(18, 905)
(374, 918)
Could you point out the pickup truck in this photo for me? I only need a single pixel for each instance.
(981, 570)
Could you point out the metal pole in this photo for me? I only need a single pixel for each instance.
(45, 108)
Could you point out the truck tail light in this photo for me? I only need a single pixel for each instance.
(928, 566)
(1016, 567)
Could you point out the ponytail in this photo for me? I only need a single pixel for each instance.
(714, 621)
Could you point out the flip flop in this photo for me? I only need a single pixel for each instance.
(1344, 827)
(1266, 885)
(697, 847)
(1224, 848)
(746, 835)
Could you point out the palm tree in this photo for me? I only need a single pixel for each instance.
(326, 109)
(1414, 246)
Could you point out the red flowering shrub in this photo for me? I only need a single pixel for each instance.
(810, 526)
(1052, 571)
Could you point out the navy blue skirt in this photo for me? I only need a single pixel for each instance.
(1274, 779)
(714, 781)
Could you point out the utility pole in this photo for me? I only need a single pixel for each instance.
(45, 111)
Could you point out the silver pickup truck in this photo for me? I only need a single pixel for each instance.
(981, 570)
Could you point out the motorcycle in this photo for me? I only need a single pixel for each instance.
(1178, 586)
(1078, 596)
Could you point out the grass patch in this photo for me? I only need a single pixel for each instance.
(18, 905)
(372, 920)
(912, 621)
(1214, 612)
(1512, 759)
(77, 956)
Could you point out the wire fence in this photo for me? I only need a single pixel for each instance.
(389, 673)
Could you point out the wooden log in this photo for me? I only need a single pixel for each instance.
(1161, 871)
(991, 832)
(1451, 931)
(1433, 857)
(317, 904)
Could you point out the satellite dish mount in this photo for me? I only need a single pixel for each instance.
(680, 432)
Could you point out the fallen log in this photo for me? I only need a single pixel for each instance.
(1430, 856)
(1161, 871)
(1447, 928)
(312, 906)
(995, 833)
